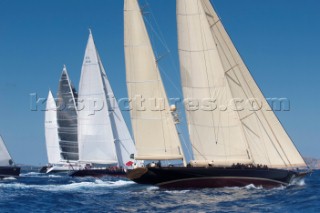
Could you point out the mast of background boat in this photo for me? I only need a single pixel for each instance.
(208, 55)
(51, 131)
(155, 133)
(95, 134)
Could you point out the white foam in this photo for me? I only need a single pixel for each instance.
(55, 176)
(12, 185)
(298, 182)
(119, 183)
(177, 191)
(252, 186)
(30, 174)
(69, 187)
(9, 178)
(152, 188)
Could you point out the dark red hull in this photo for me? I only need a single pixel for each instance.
(9, 171)
(193, 177)
(98, 172)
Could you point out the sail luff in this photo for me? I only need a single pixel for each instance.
(96, 138)
(154, 130)
(51, 131)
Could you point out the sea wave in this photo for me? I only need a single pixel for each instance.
(298, 182)
(55, 176)
(177, 191)
(252, 186)
(9, 178)
(74, 186)
(152, 188)
(31, 174)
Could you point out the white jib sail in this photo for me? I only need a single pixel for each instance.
(95, 135)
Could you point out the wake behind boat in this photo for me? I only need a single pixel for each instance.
(229, 145)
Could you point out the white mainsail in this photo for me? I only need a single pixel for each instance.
(211, 68)
(5, 158)
(95, 132)
(51, 131)
(154, 130)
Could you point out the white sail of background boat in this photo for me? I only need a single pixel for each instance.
(7, 167)
(103, 134)
(51, 131)
(5, 158)
(61, 128)
(67, 118)
(230, 147)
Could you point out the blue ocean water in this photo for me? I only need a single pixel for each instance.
(34, 192)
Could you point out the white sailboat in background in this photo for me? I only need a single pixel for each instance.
(7, 167)
(61, 128)
(67, 118)
(104, 139)
(230, 147)
(51, 131)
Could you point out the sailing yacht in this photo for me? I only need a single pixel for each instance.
(230, 147)
(105, 143)
(51, 133)
(61, 128)
(7, 167)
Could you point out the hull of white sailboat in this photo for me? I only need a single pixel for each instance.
(60, 168)
(99, 172)
(196, 177)
(9, 171)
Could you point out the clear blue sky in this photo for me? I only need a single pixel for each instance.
(279, 40)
